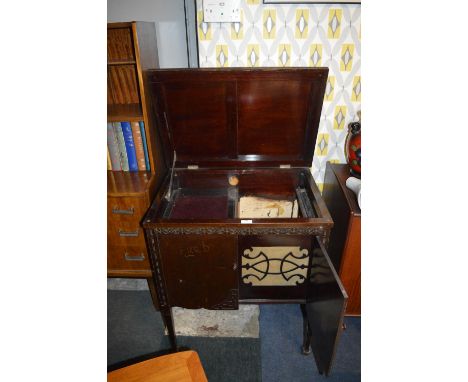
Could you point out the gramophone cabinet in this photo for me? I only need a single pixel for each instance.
(238, 218)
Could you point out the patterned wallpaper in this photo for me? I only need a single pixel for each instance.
(297, 35)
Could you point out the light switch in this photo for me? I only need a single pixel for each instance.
(221, 11)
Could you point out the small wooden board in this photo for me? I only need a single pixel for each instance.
(178, 367)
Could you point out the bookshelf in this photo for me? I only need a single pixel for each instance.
(121, 112)
(131, 50)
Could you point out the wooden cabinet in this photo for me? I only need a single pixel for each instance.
(345, 237)
(131, 51)
(235, 135)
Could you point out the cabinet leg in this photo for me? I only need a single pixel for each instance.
(152, 290)
(169, 324)
(306, 348)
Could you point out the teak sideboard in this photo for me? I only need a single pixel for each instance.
(232, 134)
(345, 238)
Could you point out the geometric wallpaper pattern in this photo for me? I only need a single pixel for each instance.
(297, 35)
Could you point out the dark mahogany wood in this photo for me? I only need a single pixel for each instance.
(200, 270)
(265, 182)
(325, 307)
(259, 126)
(306, 340)
(239, 117)
(345, 238)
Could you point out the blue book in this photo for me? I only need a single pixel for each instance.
(145, 146)
(121, 145)
(130, 146)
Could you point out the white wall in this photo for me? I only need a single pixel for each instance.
(169, 19)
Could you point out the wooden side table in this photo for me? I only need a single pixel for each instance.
(177, 367)
(345, 238)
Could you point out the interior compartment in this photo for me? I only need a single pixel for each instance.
(258, 125)
(238, 194)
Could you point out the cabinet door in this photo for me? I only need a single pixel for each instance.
(325, 306)
(200, 270)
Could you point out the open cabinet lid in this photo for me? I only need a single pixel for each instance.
(238, 117)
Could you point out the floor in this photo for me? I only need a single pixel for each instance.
(281, 340)
(134, 328)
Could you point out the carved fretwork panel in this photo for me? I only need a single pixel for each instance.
(274, 266)
(242, 231)
(158, 277)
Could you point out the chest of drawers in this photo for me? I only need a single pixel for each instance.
(129, 196)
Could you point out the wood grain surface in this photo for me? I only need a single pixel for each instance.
(131, 50)
(345, 237)
(178, 367)
(239, 117)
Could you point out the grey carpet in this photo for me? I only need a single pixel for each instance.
(282, 360)
(134, 329)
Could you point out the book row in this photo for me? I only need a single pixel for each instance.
(126, 147)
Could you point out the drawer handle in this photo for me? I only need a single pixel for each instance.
(139, 257)
(130, 211)
(128, 233)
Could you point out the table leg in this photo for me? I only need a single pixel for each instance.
(306, 348)
(166, 314)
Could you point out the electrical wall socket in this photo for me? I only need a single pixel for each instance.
(221, 11)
